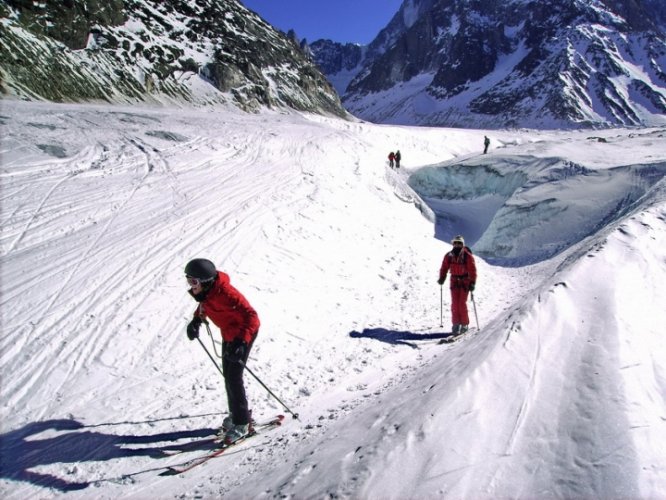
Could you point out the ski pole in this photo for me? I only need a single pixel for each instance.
(295, 415)
(211, 357)
(475, 313)
(441, 306)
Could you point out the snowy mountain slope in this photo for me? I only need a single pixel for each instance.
(209, 52)
(554, 64)
(102, 207)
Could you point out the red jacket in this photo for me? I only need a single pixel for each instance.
(462, 268)
(229, 310)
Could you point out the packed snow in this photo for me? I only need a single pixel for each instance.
(557, 391)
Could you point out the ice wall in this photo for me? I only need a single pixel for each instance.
(516, 210)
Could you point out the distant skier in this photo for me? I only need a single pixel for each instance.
(486, 143)
(398, 157)
(391, 158)
(230, 311)
(460, 263)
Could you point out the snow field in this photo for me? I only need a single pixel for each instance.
(559, 394)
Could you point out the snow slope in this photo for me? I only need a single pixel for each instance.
(562, 393)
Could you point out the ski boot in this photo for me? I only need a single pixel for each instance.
(236, 433)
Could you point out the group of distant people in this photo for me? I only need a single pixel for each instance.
(394, 159)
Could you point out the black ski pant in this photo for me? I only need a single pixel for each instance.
(233, 381)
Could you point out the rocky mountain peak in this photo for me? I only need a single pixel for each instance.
(553, 63)
(202, 52)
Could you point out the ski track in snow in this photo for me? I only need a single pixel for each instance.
(324, 240)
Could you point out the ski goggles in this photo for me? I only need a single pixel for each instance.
(195, 281)
(192, 281)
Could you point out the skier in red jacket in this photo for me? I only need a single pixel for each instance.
(238, 322)
(460, 263)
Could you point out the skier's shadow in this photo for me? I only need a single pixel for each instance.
(69, 441)
(397, 337)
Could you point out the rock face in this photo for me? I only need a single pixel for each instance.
(340, 62)
(499, 63)
(201, 52)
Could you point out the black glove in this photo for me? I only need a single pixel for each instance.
(472, 286)
(193, 328)
(441, 281)
(236, 351)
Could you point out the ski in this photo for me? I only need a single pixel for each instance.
(200, 445)
(449, 339)
(220, 448)
(213, 443)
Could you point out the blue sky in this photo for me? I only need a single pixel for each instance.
(356, 21)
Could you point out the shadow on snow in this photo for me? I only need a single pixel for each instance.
(398, 337)
(22, 450)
